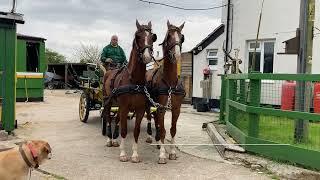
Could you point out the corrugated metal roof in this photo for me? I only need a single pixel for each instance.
(28, 37)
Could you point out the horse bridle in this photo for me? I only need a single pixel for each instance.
(150, 47)
(179, 43)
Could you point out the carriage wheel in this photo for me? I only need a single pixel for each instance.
(84, 108)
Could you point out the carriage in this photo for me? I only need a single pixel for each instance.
(91, 98)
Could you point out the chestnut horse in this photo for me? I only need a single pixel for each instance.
(167, 89)
(126, 87)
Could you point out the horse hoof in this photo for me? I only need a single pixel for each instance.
(149, 140)
(109, 144)
(124, 158)
(162, 161)
(115, 144)
(172, 156)
(135, 159)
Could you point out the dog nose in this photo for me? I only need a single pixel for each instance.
(49, 155)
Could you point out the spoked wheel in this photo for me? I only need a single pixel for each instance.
(84, 107)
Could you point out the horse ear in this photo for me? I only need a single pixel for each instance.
(149, 24)
(168, 24)
(138, 24)
(181, 27)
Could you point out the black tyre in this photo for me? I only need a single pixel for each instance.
(51, 86)
(84, 107)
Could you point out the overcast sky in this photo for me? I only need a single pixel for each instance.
(66, 23)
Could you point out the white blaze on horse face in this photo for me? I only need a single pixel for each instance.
(146, 52)
(177, 47)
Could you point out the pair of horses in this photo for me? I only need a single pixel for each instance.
(127, 88)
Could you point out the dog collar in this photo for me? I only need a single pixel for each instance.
(33, 154)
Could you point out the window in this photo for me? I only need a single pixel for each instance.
(212, 57)
(32, 57)
(264, 56)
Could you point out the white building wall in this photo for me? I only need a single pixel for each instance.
(279, 22)
(316, 41)
(280, 19)
(200, 62)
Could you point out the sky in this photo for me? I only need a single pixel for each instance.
(68, 23)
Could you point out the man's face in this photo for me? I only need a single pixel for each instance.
(114, 41)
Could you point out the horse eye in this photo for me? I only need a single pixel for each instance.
(154, 37)
(182, 38)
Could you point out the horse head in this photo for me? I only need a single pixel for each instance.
(144, 39)
(172, 43)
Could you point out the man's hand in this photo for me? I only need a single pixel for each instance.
(109, 60)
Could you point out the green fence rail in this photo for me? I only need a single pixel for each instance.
(262, 110)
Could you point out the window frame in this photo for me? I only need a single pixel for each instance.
(261, 50)
(208, 57)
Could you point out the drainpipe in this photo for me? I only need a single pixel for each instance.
(227, 34)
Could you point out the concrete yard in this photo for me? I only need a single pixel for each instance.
(80, 152)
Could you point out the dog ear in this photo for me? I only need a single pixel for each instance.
(46, 148)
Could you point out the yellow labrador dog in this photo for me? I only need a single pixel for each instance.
(16, 162)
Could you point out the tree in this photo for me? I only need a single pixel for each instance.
(88, 53)
(54, 57)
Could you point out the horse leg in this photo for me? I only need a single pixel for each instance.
(162, 156)
(123, 122)
(108, 118)
(156, 124)
(139, 117)
(115, 136)
(176, 105)
(149, 130)
(160, 122)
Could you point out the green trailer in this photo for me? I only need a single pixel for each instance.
(30, 66)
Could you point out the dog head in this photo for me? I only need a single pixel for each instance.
(42, 150)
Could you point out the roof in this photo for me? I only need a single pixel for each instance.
(208, 40)
(31, 38)
(7, 16)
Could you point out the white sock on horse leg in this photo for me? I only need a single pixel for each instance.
(135, 149)
(162, 152)
(173, 147)
(122, 147)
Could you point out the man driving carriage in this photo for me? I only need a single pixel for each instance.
(112, 55)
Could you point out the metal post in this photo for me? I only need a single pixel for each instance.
(303, 92)
(223, 100)
(257, 38)
(255, 96)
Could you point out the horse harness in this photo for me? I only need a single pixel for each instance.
(171, 53)
(178, 89)
(131, 88)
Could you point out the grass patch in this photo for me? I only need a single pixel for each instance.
(279, 130)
